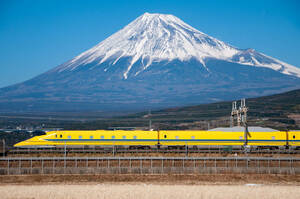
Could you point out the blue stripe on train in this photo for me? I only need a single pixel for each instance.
(164, 140)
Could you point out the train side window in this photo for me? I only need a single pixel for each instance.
(134, 137)
(165, 136)
(55, 136)
(69, 137)
(294, 136)
(273, 137)
(113, 137)
(80, 137)
(102, 137)
(193, 137)
(177, 137)
(60, 136)
(241, 137)
(91, 137)
(124, 137)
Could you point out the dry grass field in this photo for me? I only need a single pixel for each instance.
(139, 190)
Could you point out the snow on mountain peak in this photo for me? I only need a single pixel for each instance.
(154, 37)
(157, 37)
(254, 58)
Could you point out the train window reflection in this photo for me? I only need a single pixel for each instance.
(91, 137)
(102, 137)
(69, 137)
(193, 137)
(124, 137)
(80, 137)
(177, 137)
(134, 137)
(113, 137)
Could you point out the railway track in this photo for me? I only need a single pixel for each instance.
(115, 151)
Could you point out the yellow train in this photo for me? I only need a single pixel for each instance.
(257, 137)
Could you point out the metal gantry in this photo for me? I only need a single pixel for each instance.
(240, 114)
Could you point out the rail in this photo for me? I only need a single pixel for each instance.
(151, 158)
(114, 150)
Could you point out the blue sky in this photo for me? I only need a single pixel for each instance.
(36, 36)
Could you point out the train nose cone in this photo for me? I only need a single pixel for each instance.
(19, 144)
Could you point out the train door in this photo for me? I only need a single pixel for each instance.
(158, 139)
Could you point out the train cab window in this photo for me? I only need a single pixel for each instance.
(80, 137)
(102, 137)
(91, 137)
(38, 133)
(113, 137)
(69, 137)
(124, 137)
(165, 136)
(134, 137)
(294, 136)
(193, 137)
(177, 137)
(60, 136)
(273, 137)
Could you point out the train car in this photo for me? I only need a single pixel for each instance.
(199, 138)
(259, 137)
(256, 137)
(267, 138)
(89, 138)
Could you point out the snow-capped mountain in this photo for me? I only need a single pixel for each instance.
(253, 58)
(157, 37)
(156, 61)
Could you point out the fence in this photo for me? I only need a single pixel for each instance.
(147, 165)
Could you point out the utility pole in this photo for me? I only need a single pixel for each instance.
(243, 111)
(65, 151)
(234, 113)
(239, 113)
(3, 140)
(150, 122)
(65, 155)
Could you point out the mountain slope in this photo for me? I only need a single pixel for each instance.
(156, 61)
(280, 111)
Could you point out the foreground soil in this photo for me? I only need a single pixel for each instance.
(187, 179)
(148, 191)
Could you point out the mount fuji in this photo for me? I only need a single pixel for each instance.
(156, 61)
